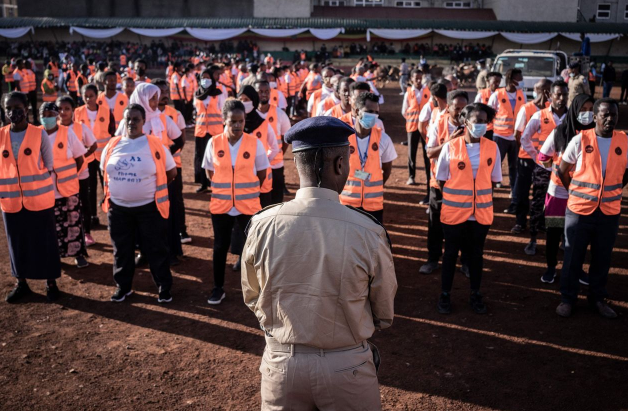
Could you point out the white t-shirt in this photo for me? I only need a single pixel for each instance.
(91, 116)
(549, 149)
(573, 152)
(426, 113)
(493, 102)
(132, 173)
(172, 129)
(221, 100)
(75, 149)
(88, 140)
(283, 125)
(387, 152)
(533, 127)
(432, 134)
(320, 109)
(261, 161)
(418, 95)
(443, 172)
(111, 101)
(521, 122)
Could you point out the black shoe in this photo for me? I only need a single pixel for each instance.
(185, 238)
(81, 262)
(286, 191)
(584, 278)
(530, 248)
(237, 265)
(444, 303)
(218, 294)
(550, 274)
(476, 303)
(464, 269)
(52, 292)
(174, 261)
(18, 292)
(140, 260)
(404, 143)
(426, 200)
(95, 221)
(164, 296)
(120, 295)
(517, 229)
(201, 189)
(512, 209)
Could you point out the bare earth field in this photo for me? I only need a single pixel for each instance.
(86, 353)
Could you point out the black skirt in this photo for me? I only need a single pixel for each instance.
(32, 240)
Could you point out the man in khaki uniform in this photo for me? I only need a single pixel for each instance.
(578, 84)
(320, 278)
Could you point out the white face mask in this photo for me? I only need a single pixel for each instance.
(520, 85)
(248, 106)
(273, 84)
(585, 118)
(206, 83)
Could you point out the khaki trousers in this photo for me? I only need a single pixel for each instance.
(297, 377)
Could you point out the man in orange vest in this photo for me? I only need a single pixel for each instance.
(507, 101)
(344, 93)
(598, 159)
(115, 100)
(32, 89)
(541, 124)
(322, 93)
(176, 94)
(331, 100)
(70, 82)
(312, 82)
(371, 155)
(493, 79)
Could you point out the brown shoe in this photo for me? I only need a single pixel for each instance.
(605, 310)
(564, 310)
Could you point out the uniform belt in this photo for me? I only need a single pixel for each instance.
(276, 346)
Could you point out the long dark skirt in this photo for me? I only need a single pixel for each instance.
(69, 226)
(32, 240)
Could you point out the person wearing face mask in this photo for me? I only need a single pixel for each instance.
(27, 201)
(111, 98)
(237, 164)
(137, 168)
(507, 102)
(492, 81)
(68, 152)
(208, 102)
(355, 90)
(49, 89)
(467, 169)
(578, 84)
(371, 155)
(520, 202)
(448, 126)
(414, 99)
(598, 158)
(579, 118)
(321, 93)
(541, 124)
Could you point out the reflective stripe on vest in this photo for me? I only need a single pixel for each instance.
(273, 120)
(442, 130)
(64, 166)
(101, 125)
(504, 122)
(530, 108)
(261, 133)
(119, 106)
(208, 119)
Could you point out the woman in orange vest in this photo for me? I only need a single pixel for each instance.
(599, 160)
(467, 169)
(137, 169)
(48, 87)
(236, 164)
(68, 152)
(27, 200)
(579, 118)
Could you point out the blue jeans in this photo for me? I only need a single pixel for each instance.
(608, 86)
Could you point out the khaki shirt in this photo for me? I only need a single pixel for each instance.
(318, 273)
(481, 82)
(577, 85)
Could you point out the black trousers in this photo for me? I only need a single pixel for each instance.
(200, 144)
(540, 182)
(552, 245)
(223, 224)
(435, 230)
(174, 233)
(74, 95)
(177, 198)
(600, 231)
(32, 100)
(94, 173)
(85, 208)
(414, 138)
(180, 105)
(266, 199)
(378, 214)
(521, 197)
(143, 225)
(508, 149)
(468, 237)
(188, 111)
(279, 181)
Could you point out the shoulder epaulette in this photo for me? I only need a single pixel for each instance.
(375, 220)
(246, 230)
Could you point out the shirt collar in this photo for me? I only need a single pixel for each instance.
(317, 192)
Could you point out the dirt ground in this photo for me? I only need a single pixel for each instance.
(86, 353)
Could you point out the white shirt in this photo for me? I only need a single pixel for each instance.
(132, 173)
(418, 95)
(261, 161)
(549, 149)
(426, 113)
(91, 116)
(281, 101)
(111, 101)
(221, 100)
(573, 152)
(172, 129)
(473, 150)
(75, 149)
(534, 127)
(88, 140)
(432, 134)
(387, 152)
(493, 102)
(324, 94)
(522, 121)
(320, 109)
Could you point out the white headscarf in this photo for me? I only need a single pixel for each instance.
(144, 92)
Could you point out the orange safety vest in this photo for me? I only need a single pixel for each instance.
(282, 86)
(262, 134)
(234, 186)
(174, 114)
(589, 188)
(310, 87)
(442, 128)
(547, 125)
(54, 68)
(157, 150)
(294, 85)
(485, 96)
(119, 106)
(101, 126)
(317, 99)
(191, 89)
(337, 112)
(24, 79)
(71, 81)
(78, 130)
(359, 193)
(271, 117)
(226, 79)
(25, 182)
(48, 97)
(530, 109)
(504, 123)
(463, 195)
(64, 165)
(31, 82)
(8, 74)
(274, 97)
(328, 104)
(414, 109)
(83, 79)
(208, 119)
(167, 142)
(122, 60)
(175, 80)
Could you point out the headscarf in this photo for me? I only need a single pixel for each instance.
(213, 90)
(142, 93)
(253, 119)
(570, 127)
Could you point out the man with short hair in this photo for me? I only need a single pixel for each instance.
(415, 98)
(343, 90)
(578, 84)
(115, 100)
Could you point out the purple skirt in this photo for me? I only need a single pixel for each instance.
(555, 211)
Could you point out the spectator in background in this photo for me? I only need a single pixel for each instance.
(608, 78)
(623, 97)
(585, 47)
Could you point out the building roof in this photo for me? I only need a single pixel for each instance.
(351, 24)
(402, 13)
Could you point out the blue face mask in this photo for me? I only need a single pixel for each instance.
(477, 130)
(534, 95)
(368, 120)
(49, 122)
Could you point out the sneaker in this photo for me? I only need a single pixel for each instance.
(120, 295)
(425, 201)
(605, 310)
(428, 267)
(174, 261)
(402, 93)
(95, 221)
(89, 240)
(201, 189)
(564, 310)
(218, 294)
(464, 269)
(237, 265)
(530, 248)
(404, 143)
(18, 292)
(81, 262)
(476, 303)
(185, 238)
(517, 229)
(410, 181)
(584, 278)
(140, 260)
(444, 303)
(52, 292)
(512, 210)
(548, 277)
(164, 296)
